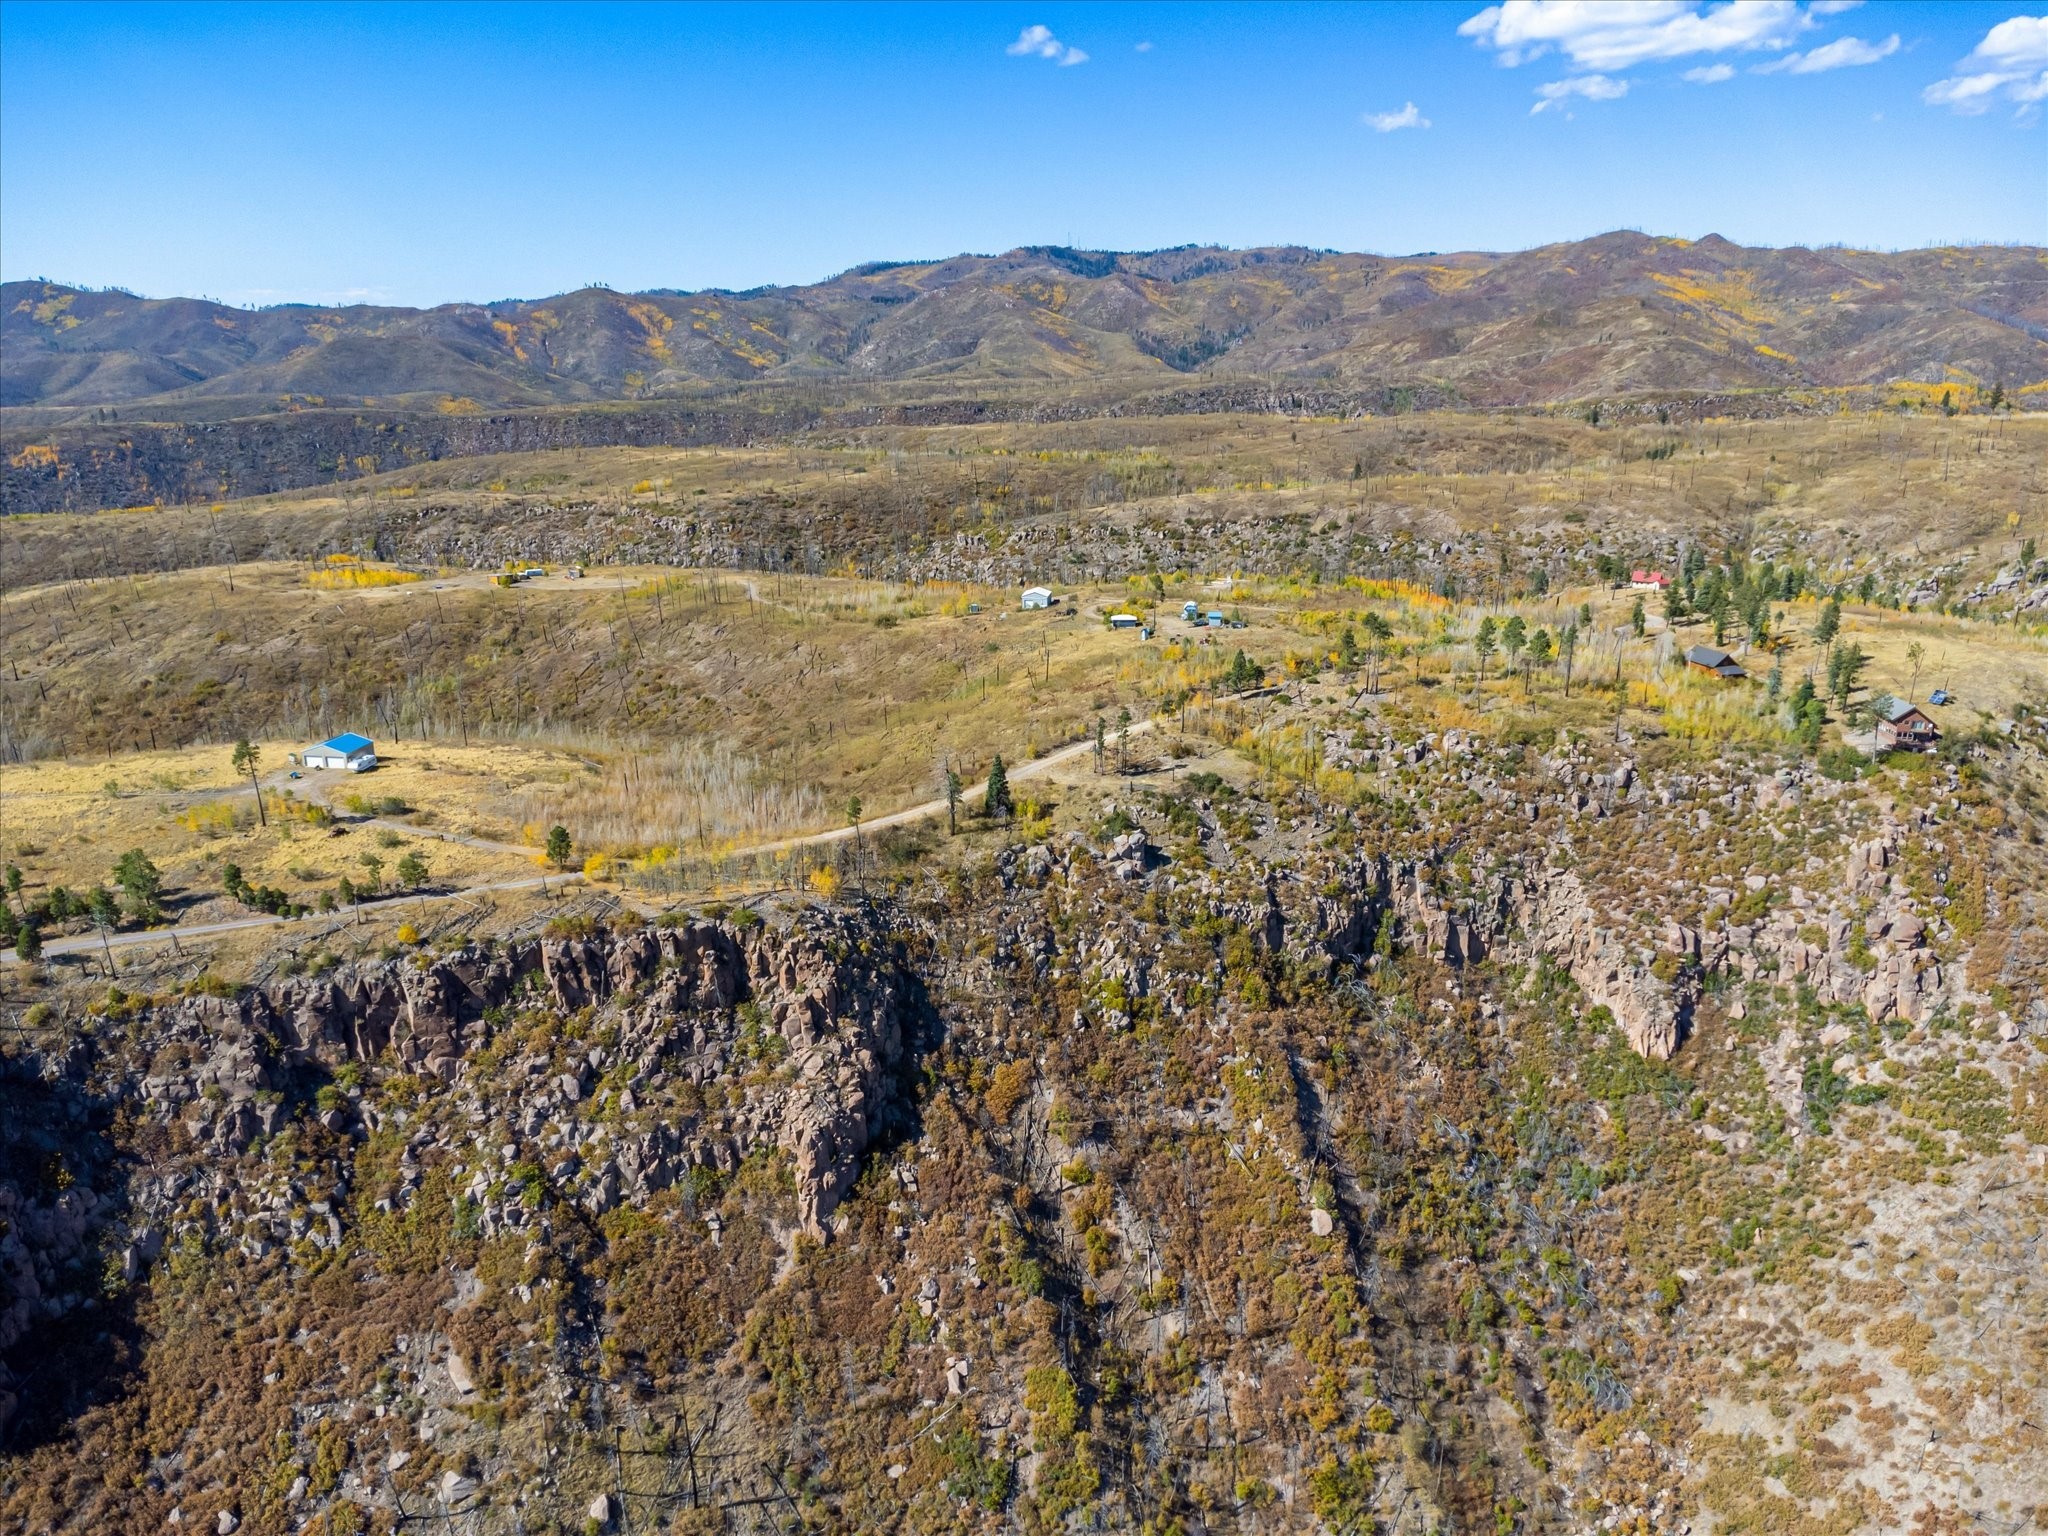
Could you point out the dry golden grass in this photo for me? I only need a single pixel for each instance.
(839, 686)
(65, 822)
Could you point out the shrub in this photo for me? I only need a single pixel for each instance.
(1055, 1407)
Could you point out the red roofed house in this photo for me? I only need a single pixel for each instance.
(1648, 581)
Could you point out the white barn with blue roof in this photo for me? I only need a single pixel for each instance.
(348, 750)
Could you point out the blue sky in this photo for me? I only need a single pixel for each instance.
(422, 153)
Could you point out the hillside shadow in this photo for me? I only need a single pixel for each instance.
(55, 1147)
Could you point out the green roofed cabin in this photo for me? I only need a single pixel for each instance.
(355, 754)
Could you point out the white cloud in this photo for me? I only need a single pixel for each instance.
(2011, 62)
(1833, 7)
(1616, 34)
(1711, 74)
(1842, 53)
(1039, 43)
(1144, 47)
(1558, 93)
(1393, 122)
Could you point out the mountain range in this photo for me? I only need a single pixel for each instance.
(1621, 313)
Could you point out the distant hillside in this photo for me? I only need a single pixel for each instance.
(1619, 314)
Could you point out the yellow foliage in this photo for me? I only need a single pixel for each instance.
(597, 867)
(1006, 1089)
(336, 578)
(407, 934)
(36, 456)
(1440, 279)
(457, 405)
(1929, 395)
(825, 881)
(51, 312)
(656, 325)
(216, 818)
(1396, 592)
(509, 333)
(1730, 300)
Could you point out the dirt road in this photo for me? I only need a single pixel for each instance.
(76, 943)
(1030, 769)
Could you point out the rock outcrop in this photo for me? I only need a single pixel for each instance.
(824, 1002)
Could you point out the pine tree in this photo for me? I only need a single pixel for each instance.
(142, 883)
(1513, 636)
(244, 761)
(997, 801)
(1829, 623)
(1484, 644)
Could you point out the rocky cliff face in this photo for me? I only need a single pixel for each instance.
(807, 1031)
(816, 1000)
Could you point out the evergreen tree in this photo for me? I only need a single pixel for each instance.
(1485, 643)
(997, 801)
(1243, 673)
(1812, 717)
(142, 883)
(559, 846)
(1845, 667)
(1513, 636)
(1638, 620)
(28, 941)
(244, 761)
(1541, 649)
(1829, 624)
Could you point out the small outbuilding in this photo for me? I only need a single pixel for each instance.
(1123, 621)
(1038, 597)
(1902, 728)
(348, 751)
(1711, 658)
